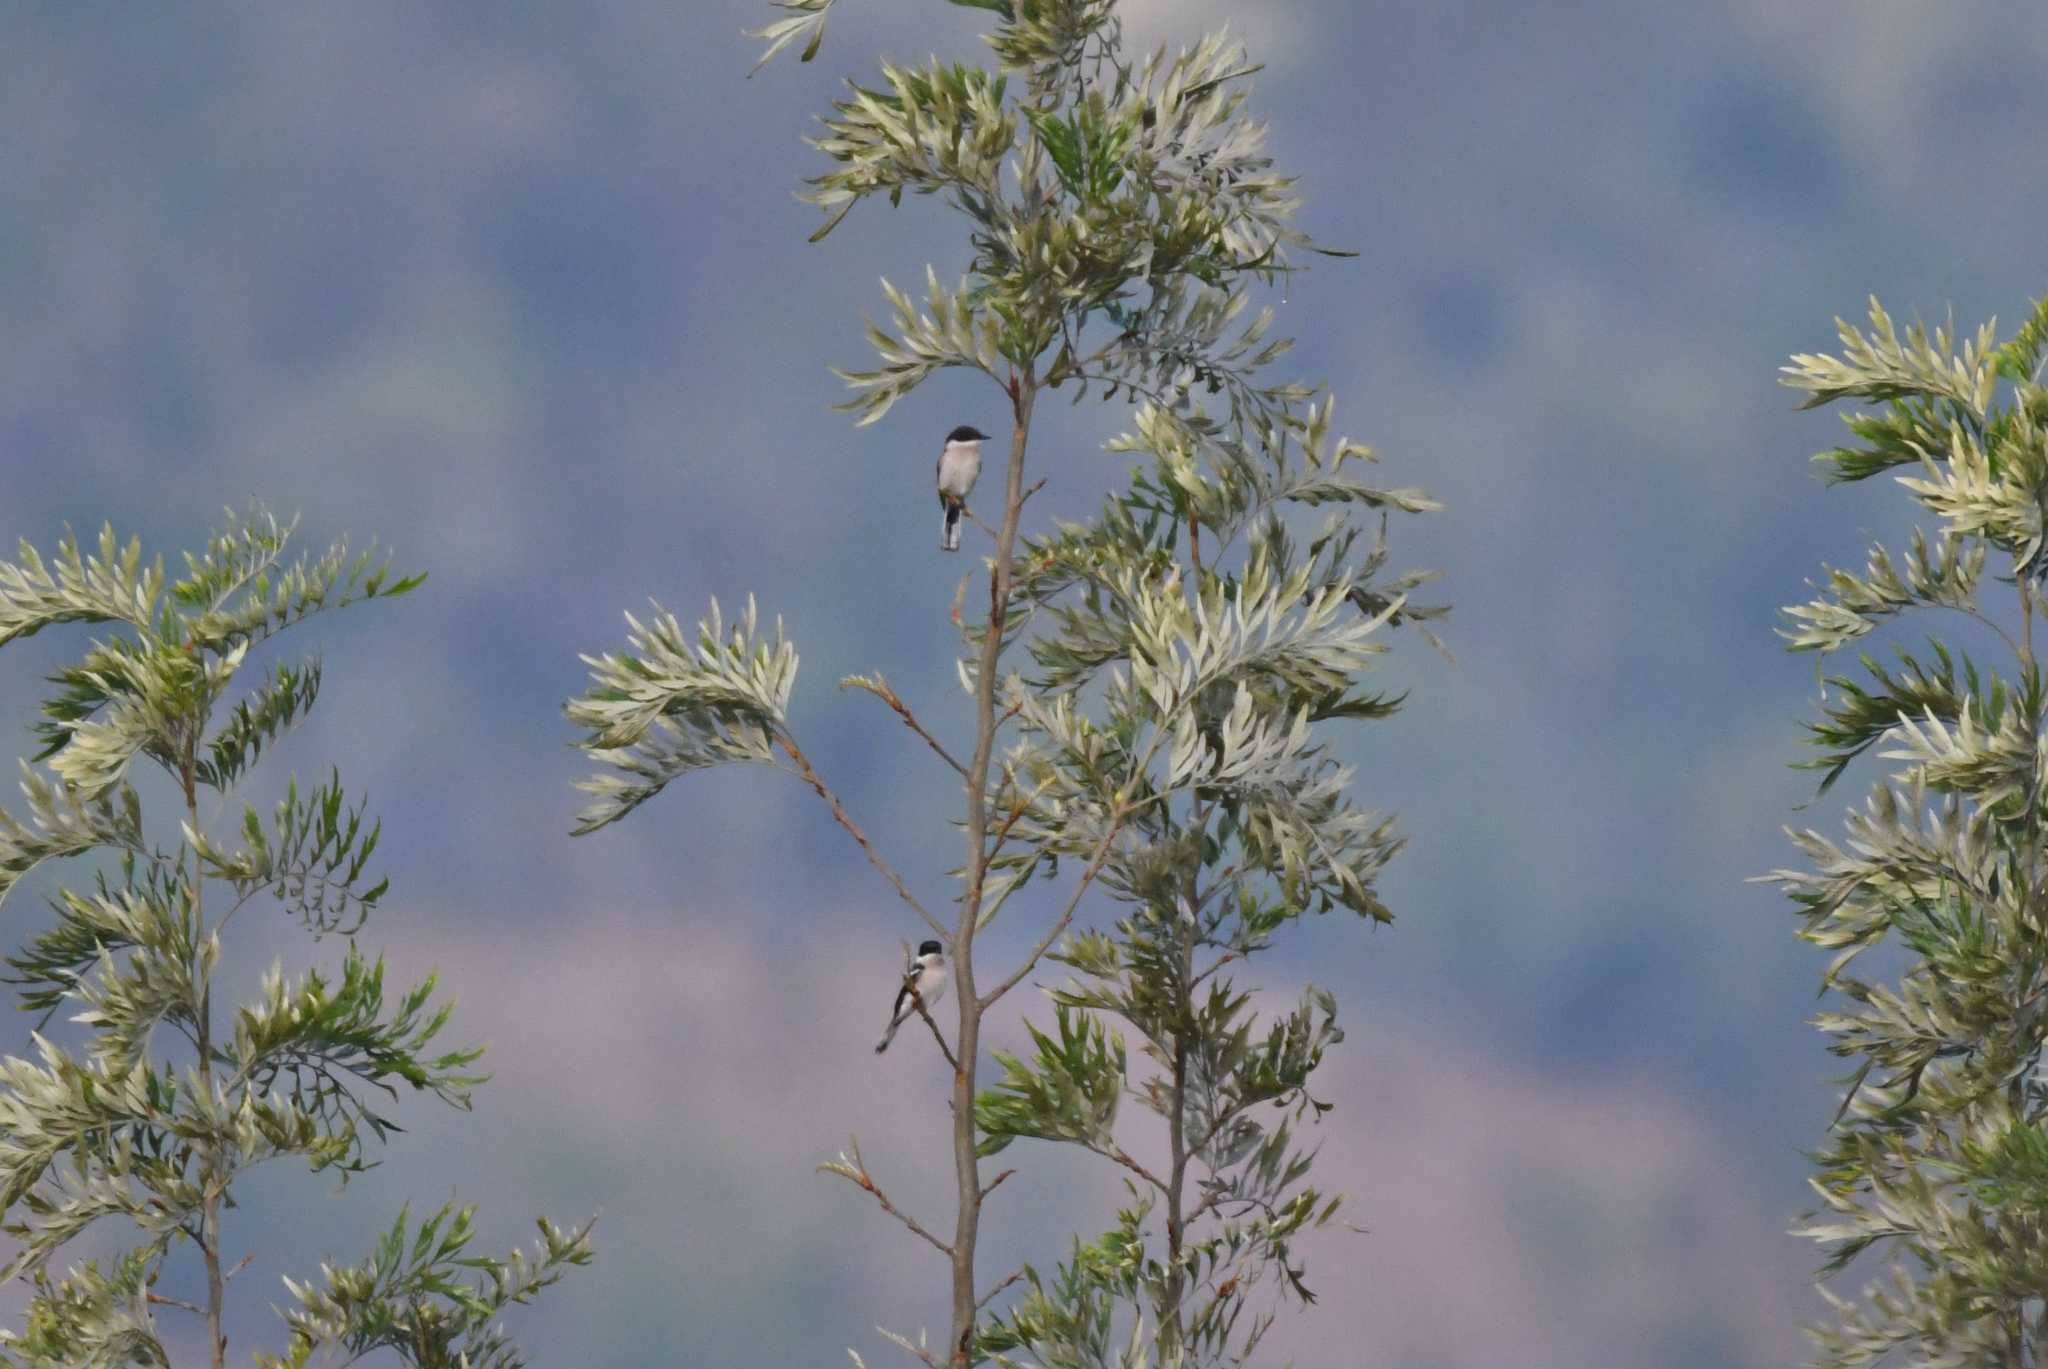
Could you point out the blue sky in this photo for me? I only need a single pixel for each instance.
(522, 291)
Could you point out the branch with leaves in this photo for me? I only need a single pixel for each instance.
(1935, 1163)
(170, 1101)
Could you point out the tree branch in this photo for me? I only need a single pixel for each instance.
(880, 688)
(1123, 1157)
(809, 776)
(857, 1175)
(990, 1296)
(1066, 915)
(917, 1001)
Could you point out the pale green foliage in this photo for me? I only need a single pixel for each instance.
(1936, 1161)
(951, 334)
(1067, 1090)
(662, 708)
(806, 20)
(90, 1320)
(152, 1119)
(1143, 203)
(426, 1298)
(1943, 576)
(1156, 686)
(310, 858)
(62, 823)
(113, 586)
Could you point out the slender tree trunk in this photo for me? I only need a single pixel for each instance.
(1172, 1326)
(209, 1169)
(966, 1164)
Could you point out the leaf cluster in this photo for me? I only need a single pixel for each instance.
(1934, 1163)
(663, 707)
(422, 1297)
(149, 1123)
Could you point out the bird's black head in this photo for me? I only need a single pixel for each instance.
(966, 433)
(930, 948)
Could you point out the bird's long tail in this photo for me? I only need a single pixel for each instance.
(949, 535)
(888, 1036)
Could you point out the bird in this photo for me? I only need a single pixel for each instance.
(959, 467)
(925, 981)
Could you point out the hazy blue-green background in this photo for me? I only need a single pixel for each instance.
(522, 290)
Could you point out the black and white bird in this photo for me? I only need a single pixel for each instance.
(959, 467)
(928, 976)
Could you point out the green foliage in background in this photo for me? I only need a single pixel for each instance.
(1937, 1163)
(144, 1123)
(1149, 695)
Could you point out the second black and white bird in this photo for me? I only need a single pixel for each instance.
(959, 467)
(927, 976)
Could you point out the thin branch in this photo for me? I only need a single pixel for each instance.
(880, 689)
(990, 1296)
(1066, 916)
(857, 1175)
(179, 1303)
(917, 1001)
(2026, 623)
(903, 1342)
(1017, 812)
(1123, 1157)
(809, 776)
(1227, 958)
(993, 1184)
(1988, 621)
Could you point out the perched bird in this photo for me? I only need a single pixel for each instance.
(928, 977)
(959, 466)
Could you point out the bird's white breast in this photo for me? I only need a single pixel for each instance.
(959, 466)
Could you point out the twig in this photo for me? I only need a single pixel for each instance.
(857, 1174)
(162, 1301)
(880, 688)
(989, 1296)
(1017, 812)
(1209, 1200)
(1066, 915)
(1223, 1291)
(240, 1265)
(1123, 1157)
(995, 1183)
(904, 1343)
(809, 776)
(1227, 959)
(917, 1001)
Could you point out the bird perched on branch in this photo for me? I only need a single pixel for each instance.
(925, 980)
(959, 467)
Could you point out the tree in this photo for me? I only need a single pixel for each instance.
(1938, 1158)
(1150, 691)
(168, 1101)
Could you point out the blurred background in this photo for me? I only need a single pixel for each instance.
(522, 291)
